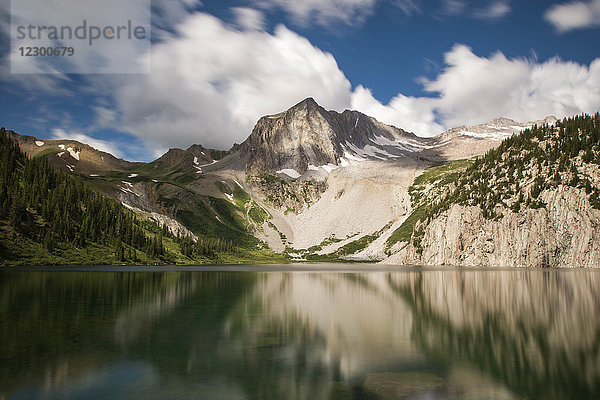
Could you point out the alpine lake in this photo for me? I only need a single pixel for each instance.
(310, 331)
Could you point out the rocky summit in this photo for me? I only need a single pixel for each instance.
(307, 137)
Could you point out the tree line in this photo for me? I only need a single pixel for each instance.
(50, 207)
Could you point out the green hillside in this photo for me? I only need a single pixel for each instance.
(48, 217)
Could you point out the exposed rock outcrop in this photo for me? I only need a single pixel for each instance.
(566, 233)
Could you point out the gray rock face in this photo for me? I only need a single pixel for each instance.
(307, 134)
(564, 234)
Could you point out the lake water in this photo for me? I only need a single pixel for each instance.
(299, 332)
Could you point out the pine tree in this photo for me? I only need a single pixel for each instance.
(49, 242)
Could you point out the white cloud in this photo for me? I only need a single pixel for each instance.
(472, 90)
(97, 55)
(167, 13)
(408, 7)
(324, 12)
(102, 145)
(105, 117)
(413, 114)
(5, 19)
(212, 82)
(475, 89)
(355, 12)
(495, 10)
(453, 7)
(490, 10)
(249, 18)
(574, 15)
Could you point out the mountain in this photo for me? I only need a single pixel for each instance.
(308, 138)
(313, 184)
(533, 201)
(52, 217)
(497, 129)
(177, 161)
(49, 217)
(70, 155)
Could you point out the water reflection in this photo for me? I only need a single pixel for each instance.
(536, 331)
(277, 335)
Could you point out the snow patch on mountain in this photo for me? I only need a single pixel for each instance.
(127, 188)
(292, 173)
(329, 167)
(73, 153)
(199, 167)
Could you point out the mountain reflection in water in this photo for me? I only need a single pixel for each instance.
(443, 334)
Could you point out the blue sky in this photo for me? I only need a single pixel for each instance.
(422, 65)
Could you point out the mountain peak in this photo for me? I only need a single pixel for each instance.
(307, 102)
(308, 105)
(306, 136)
(503, 122)
(195, 147)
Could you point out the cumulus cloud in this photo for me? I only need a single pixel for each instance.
(211, 82)
(574, 15)
(414, 114)
(472, 90)
(475, 89)
(102, 145)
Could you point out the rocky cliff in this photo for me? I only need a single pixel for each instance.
(566, 233)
